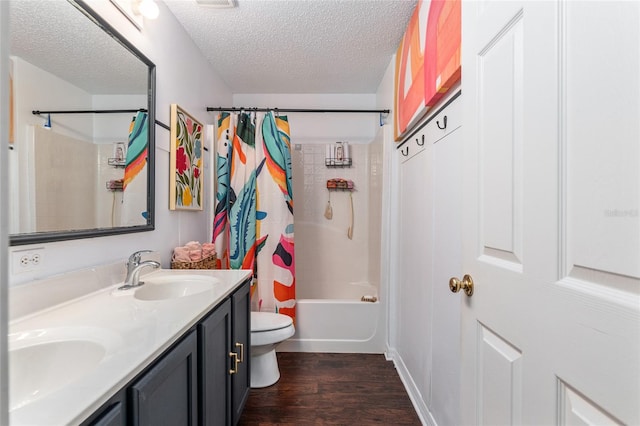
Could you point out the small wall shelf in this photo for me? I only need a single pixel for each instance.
(116, 162)
(115, 185)
(339, 184)
(332, 162)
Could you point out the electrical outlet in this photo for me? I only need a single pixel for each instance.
(26, 260)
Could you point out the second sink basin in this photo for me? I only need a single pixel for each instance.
(46, 360)
(165, 287)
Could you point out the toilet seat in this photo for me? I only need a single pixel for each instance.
(268, 328)
(267, 321)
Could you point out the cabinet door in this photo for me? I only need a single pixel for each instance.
(112, 413)
(113, 416)
(215, 379)
(167, 393)
(241, 344)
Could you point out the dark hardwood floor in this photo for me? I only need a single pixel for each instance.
(331, 389)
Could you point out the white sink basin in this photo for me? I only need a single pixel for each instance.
(165, 287)
(43, 361)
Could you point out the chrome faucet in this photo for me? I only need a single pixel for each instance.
(134, 260)
(134, 265)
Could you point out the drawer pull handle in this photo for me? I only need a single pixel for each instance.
(444, 121)
(241, 346)
(234, 370)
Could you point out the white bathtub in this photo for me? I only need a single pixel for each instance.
(338, 325)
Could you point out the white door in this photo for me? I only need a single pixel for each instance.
(551, 334)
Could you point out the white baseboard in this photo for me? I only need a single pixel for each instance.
(414, 394)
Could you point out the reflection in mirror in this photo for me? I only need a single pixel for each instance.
(82, 126)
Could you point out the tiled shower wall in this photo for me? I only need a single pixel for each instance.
(65, 182)
(327, 261)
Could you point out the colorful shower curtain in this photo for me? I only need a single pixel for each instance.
(134, 198)
(253, 223)
(137, 147)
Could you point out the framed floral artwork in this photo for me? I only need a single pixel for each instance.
(186, 162)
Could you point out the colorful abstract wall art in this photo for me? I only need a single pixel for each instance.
(186, 161)
(427, 61)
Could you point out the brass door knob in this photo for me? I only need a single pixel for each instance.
(466, 284)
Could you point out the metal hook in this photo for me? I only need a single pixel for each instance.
(418, 141)
(444, 122)
(405, 153)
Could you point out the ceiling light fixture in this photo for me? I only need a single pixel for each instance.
(217, 4)
(147, 8)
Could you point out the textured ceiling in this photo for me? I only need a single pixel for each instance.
(298, 46)
(57, 37)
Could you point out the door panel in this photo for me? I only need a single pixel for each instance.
(500, 110)
(447, 260)
(500, 380)
(576, 409)
(415, 288)
(601, 141)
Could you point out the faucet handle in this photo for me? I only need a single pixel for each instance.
(134, 259)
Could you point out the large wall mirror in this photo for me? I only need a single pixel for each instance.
(82, 135)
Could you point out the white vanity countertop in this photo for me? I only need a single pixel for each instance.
(134, 333)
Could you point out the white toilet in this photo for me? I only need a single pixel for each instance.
(267, 330)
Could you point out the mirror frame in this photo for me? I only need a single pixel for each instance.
(45, 237)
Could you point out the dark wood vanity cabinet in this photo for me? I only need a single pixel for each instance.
(224, 380)
(195, 382)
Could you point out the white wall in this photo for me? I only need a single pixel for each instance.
(423, 321)
(385, 100)
(4, 210)
(193, 87)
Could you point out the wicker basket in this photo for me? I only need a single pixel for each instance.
(206, 263)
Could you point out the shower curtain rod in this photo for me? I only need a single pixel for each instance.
(90, 111)
(236, 109)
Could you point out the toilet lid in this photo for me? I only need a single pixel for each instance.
(266, 321)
